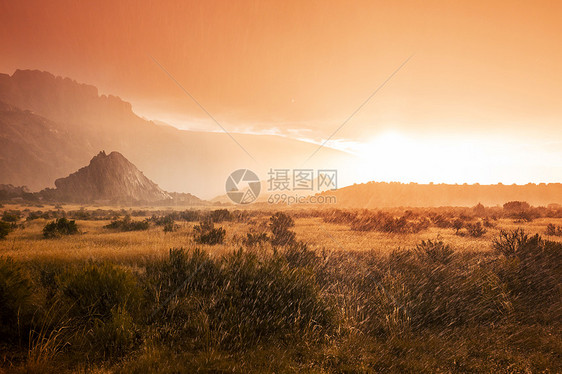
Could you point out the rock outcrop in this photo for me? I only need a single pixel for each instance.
(109, 177)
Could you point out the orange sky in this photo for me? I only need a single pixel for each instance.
(480, 69)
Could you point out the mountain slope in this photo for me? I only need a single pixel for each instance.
(377, 194)
(109, 177)
(81, 122)
(34, 150)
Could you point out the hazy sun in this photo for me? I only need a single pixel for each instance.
(394, 156)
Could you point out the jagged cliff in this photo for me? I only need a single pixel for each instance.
(109, 177)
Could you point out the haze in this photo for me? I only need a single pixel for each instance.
(478, 102)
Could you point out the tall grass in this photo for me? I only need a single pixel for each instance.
(270, 304)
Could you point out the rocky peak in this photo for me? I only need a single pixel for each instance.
(109, 177)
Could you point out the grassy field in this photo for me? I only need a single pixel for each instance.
(304, 290)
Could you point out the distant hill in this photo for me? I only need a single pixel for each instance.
(50, 126)
(377, 194)
(109, 178)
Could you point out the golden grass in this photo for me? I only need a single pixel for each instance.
(96, 242)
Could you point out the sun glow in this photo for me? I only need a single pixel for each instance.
(393, 156)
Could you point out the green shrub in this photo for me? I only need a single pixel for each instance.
(5, 229)
(60, 227)
(127, 224)
(206, 233)
(114, 337)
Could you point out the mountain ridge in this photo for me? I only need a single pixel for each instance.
(109, 177)
(71, 121)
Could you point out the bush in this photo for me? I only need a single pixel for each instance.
(11, 216)
(553, 230)
(513, 243)
(280, 224)
(60, 227)
(206, 233)
(114, 337)
(94, 290)
(127, 224)
(435, 251)
(458, 224)
(190, 215)
(385, 222)
(167, 222)
(238, 300)
(5, 229)
(531, 270)
(16, 299)
(102, 300)
(516, 206)
(265, 299)
(220, 215)
(475, 230)
(255, 238)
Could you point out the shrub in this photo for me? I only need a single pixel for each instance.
(167, 222)
(170, 227)
(220, 215)
(265, 299)
(94, 290)
(297, 254)
(475, 230)
(127, 224)
(206, 233)
(102, 300)
(516, 206)
(60, 227)
(511, 243)
(531, 270)
(255, 238)
(458, 225)
(235, 301)
(16, 299)
(5, 229)
(435, 251)
(385, 222)
(553, 230)
(279, 224)
(190, 215)
(11, 215)
(114, 337)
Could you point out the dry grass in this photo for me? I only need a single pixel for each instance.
(96, 242)
(386, 310)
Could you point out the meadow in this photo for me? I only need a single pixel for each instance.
(277, 289)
